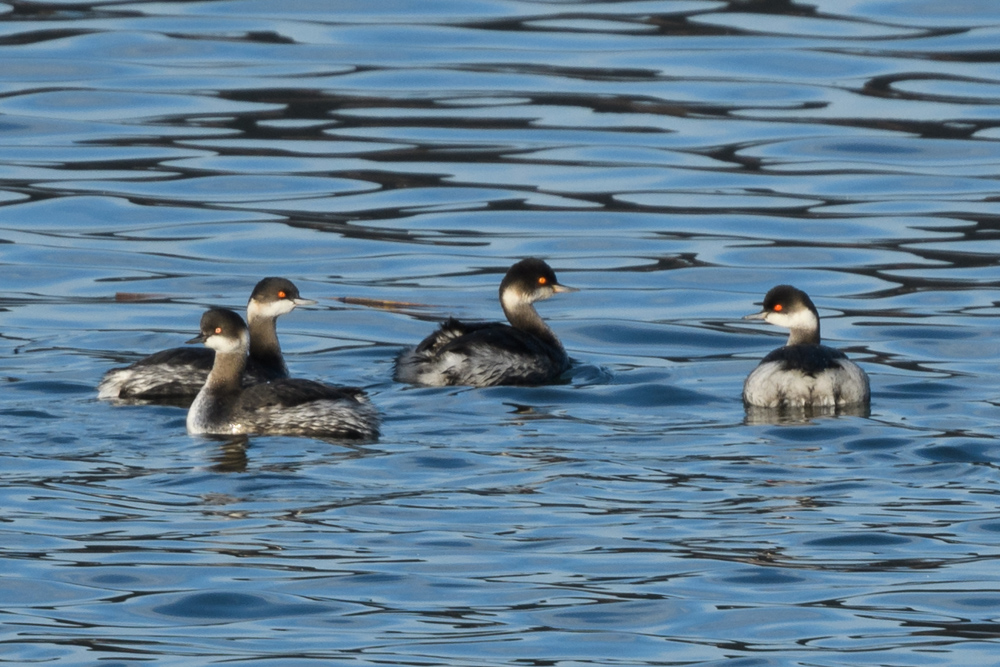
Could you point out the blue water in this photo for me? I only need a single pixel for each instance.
(673, 160)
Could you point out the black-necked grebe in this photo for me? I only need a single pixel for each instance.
(287, 406)
(803, 373)
(526, 352)
(181, 371)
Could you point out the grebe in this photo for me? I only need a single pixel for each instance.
(525, 352)
(181, 371)
(287, 406)
(803, 373)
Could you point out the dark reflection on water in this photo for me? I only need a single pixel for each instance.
(674, 160)
(797, 415)
(232, 455)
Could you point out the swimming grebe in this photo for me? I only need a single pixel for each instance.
(287, 406)
(525, 352)
(181, 371)
(803, 373)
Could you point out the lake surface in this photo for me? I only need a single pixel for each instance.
(673, 160)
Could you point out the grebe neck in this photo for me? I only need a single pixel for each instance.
(264, 346)
(522, 315)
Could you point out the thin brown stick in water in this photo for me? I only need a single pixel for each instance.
(380, 303)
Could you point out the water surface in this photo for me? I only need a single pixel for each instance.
(673, 160)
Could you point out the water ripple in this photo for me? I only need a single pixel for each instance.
(672, 160)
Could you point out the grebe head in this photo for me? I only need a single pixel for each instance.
(273, 297)
(791, 308)
(223, 331)
(528, 281)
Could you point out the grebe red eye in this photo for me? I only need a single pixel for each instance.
(218, 330)
(778, 307)
(281, 294)
(542, 280)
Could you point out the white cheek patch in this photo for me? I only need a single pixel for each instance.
(258, 310)
(512, 300)
(227, 345)
(801, 319)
